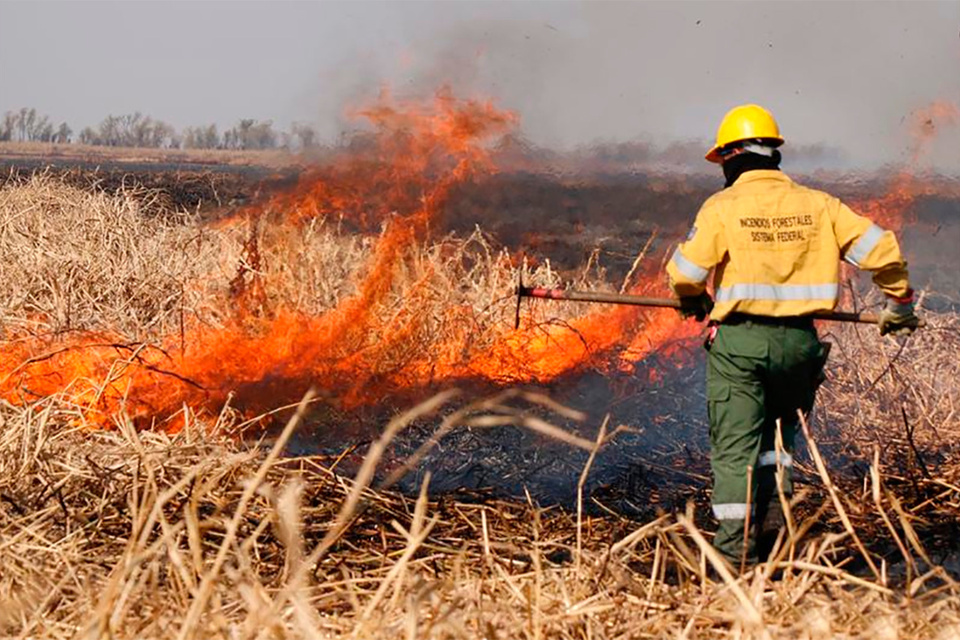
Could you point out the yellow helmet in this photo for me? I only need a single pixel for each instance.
(746, 122)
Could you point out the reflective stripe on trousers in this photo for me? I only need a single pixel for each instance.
(738, 510)
(770, 459)
(732, 511)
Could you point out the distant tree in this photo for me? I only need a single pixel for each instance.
(131, 130)
(110, 132)
(25, 121)
(243, 134)
(26, 125)
(161, 135)
(262, 136)
(141, 131)
(250, 134)
(88, 136)
(62, 136)
(188, 138)
(305, 135)
(7, 127)
(236, 137)
(202, 137)
(43, 132)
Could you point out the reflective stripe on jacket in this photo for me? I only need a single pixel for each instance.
(776, 247)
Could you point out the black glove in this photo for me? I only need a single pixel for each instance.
(698, 307)
(898, 317)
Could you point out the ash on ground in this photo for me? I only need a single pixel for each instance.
(657, 461)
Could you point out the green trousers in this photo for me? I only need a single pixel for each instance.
(758, 375)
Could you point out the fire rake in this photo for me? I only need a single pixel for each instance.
(667, 303)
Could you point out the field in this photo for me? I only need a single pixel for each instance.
(300, 408)
(20, 153)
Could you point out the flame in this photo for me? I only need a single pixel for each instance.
(893, 209)
(391, 186)
(395, 179)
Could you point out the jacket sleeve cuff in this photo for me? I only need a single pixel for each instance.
(905, 299)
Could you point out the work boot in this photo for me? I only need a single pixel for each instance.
(770, 523)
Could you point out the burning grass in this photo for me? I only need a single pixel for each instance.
(336, 282)
(103, 296)
(178, 335)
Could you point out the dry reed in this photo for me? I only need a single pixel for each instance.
(141, 534)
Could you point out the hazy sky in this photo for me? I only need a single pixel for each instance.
(848, 74)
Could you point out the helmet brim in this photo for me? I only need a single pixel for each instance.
(714, 154)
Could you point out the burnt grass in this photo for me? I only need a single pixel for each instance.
(209, 189)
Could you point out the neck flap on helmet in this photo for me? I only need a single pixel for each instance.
(749, 156)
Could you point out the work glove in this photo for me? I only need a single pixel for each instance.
(698, 307)
(898, 316)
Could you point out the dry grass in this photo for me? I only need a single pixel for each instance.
(128, 534)
(84, 260)
(900, 396)
(140, 535)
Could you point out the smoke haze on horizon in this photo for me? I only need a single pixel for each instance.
(844, 75)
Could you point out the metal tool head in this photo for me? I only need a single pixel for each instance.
(516, 321)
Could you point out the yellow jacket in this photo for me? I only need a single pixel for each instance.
(776, 247)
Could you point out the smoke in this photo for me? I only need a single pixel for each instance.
(844, 79)
(844, 76)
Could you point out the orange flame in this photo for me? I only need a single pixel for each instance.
(891, 209)
(399, 177)
(396, 180)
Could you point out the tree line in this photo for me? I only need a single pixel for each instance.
(139, 130)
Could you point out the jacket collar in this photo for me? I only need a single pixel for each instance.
(762, 174)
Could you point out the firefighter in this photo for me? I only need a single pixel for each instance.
(775, 248)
